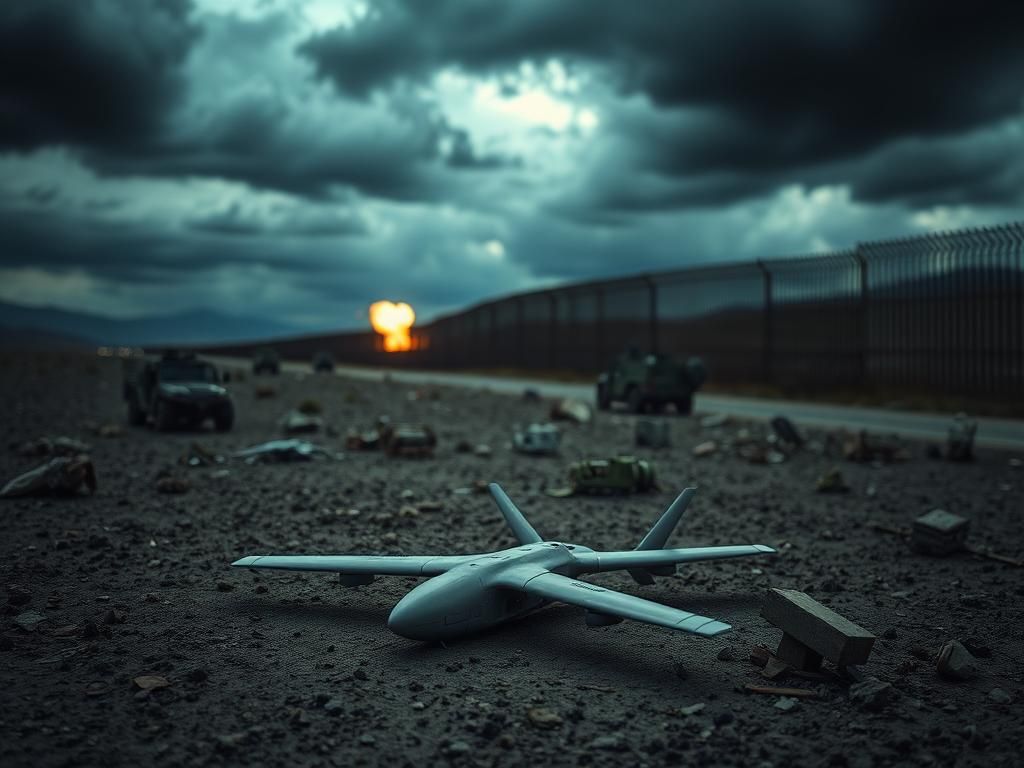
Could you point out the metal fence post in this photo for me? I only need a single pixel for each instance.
(767, 335)
(863, 333)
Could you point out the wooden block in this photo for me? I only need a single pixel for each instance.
(939, 533)
(819, 628)
(798, 655)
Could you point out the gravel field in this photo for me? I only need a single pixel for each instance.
(292, 669)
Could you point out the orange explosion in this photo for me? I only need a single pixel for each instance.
(393, 321)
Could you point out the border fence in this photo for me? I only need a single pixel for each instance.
(939, 314)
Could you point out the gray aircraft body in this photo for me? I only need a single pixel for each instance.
(469, 593)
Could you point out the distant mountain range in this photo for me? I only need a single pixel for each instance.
(49, 326)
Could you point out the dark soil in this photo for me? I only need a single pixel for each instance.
(285, 669)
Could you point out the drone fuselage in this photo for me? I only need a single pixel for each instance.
(462, 601)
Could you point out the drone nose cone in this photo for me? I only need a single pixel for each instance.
(411, 619)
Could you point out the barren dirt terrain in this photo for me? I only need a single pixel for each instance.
(132, 584)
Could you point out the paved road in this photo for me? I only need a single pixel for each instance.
(994, 433)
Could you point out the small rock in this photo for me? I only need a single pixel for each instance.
(954, 662)
(786, 704)
(543, 718)
(18, 595)
(705, 449)
(728, 653)
(151, 682)
(170, 484)
(872, 694)
(29, 620)
(612, 742)
(483, 451)
(832, 482)
(693, 709)
(225, 586)
(999, 696)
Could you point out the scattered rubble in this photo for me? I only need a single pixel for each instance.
(955, 662)
(537, 440)
(408, 440)
(705, 449)
(62, 475)
(865, 449)
(568, 409)
(283, 450)
(872, 694)
(832, 482)
(296, 422)
(939, 533)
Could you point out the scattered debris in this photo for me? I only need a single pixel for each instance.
(693, 709)
(568, 409)
(864, 449)
(955, 662)
(872, 694)
(939, 533)
(168, 483)
(284, 450)
(714, 420)
(362, 441)
(151, 682)
(960, 442)
(786, 432)
(793, 693)
(199, 456)
(29, 620)
(786, 704)
(537, 440)
(705, 449)
(621, 474)
(56, 446)
(483, 451)
(62, 475)
(832, 482)
(296, 422)
(652, 433)
(812, 631)
(408, 440)
(543, 718)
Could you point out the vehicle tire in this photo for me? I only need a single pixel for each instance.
(225, 418)
(163, 416)
(136, 416)
(636, 400)
(684, 405)
(604, 402)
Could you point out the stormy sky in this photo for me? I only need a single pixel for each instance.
(302, 158)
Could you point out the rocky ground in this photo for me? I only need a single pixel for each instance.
(127, 639)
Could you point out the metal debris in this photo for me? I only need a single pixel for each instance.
(939, 533)
(284, 450)
(537, 440)
(62, 475)
(568, 409)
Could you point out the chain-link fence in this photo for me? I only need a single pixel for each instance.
(937, 314)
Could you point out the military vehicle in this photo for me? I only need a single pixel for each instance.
(266, 360)
(649, 382)
(621, 474)
(323, 362)
(176, 389)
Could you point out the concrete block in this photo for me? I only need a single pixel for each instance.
(819, 628)
(939, 533)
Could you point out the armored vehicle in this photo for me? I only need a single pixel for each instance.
(176, 390)
(266, 360)
(649, 382)
(323, 362)
(621, 474)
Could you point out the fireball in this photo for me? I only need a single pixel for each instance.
(393, 321)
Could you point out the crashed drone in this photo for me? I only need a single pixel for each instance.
(473, 592)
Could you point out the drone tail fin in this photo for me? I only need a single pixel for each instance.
(657, 537)
(524, 532)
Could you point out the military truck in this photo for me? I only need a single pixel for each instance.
(650, 382)
(176, 389)
(266, 360)
(620, 474)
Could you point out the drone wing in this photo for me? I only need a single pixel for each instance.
(358, 565)
(552, 586)
(596, 562)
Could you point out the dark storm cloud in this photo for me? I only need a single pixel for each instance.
(103, 73)
(285, 222)
(742, 90)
